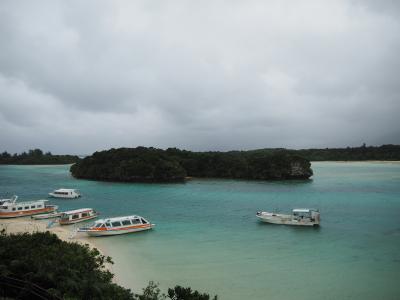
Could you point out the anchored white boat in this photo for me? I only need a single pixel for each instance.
(118, 225)
(14, 209)
(77, 215)
(65, 193)
(299, 217)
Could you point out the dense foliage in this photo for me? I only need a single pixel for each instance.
(384, 152)
(65, 270)
(36, 157)
(156, 165)
(41, 266)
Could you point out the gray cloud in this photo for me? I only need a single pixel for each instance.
(213, 75)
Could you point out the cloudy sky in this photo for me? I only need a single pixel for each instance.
(80, 76)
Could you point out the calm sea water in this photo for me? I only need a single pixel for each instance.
(207, 236)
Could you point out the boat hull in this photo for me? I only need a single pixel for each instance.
(117, 231)
(46, 216)
(285, 220)
(64, 196)
(18, 214)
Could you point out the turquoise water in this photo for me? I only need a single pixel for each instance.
(207, 235)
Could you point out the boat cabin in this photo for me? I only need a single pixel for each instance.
(305, 213)
(12, 208)
(77, 215)
(120, 222)
(65, 193)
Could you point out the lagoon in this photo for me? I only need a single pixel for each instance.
(207, 236)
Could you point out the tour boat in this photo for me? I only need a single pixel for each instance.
(118, 225)
(65, 193)
(77, 215)
(14, 209)
(299, 217)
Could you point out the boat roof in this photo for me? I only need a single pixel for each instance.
(76, 211)
(118, 219)
(304, 209)
(64, 190)
(25, 202)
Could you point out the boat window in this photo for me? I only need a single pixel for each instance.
(20, 208)
(33, 206)
(116, 224)
(4, 207)
(75, 217)
(26, 207)
(39, 206)
(13, 208)
(144, 221)
(135, 221)
(126, 222)
(103, 226)
(99, 225)
(108, 224)
(84, 215)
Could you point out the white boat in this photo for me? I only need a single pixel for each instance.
(299, 217)
(118, 225)
(52, 215)
(65, 193)
(77, 215)
(14, 209)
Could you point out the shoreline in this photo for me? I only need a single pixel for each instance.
(64, 233)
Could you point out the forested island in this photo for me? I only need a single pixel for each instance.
(143, 164)
(36, 157)
(41, 266)
(384, 152)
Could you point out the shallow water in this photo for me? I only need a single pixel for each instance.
(207, 236)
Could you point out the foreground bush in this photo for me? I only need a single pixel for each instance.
(41, 266)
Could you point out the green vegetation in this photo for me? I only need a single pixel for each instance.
(36, 157)
(384, 152)
(41, 266)
(156, 165)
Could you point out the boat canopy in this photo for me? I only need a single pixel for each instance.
(77, 211)
(304, 210)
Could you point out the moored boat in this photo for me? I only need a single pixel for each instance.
(77, 215)
(299, 217)
(65, 193)
(118, 225)
(14, 209)
(52, 215)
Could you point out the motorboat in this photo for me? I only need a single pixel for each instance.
(65, 193)
(299, 217)
(117, 225)
(52, 215)
(77, 215)
(14, 209)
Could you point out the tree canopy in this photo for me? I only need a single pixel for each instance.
(36, 157)
(157, 165)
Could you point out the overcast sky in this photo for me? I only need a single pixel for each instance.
(80, 76)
